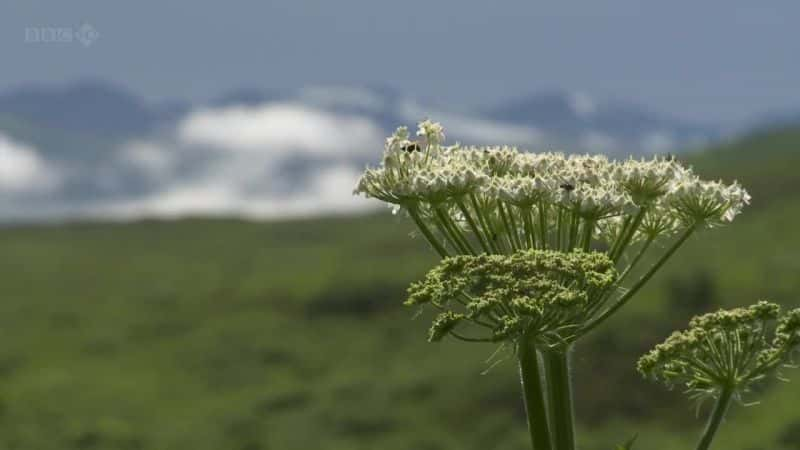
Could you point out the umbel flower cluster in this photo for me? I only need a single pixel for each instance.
(503, 195)
(543, 294)
(537, 249)
(500, 200)
(728, 350)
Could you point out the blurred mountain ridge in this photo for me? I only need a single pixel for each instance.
(99, 107)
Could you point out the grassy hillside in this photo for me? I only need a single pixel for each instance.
(205, 334)
(768, 164)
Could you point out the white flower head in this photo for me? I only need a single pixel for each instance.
(707, 203)
(397, 139)
(590, 187)
(645, 181)
(431, 132)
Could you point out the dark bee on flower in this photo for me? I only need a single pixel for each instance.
(411, 147)
(568, 187)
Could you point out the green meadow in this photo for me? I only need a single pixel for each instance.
(233, 335)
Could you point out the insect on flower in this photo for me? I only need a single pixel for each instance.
(412, 146)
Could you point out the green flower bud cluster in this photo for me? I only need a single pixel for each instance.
(543, 293)
(788, 332)
(727, 349)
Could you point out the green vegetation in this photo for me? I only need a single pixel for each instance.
(222, 334)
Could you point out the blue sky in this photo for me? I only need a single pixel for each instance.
(715, 61)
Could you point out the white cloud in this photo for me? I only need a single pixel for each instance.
(281, 128)
(269, 161)
(22, 170)
(149, 157)
(330, 191)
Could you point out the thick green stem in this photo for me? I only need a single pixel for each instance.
(559, 383)
(533, 394)
(720, 408)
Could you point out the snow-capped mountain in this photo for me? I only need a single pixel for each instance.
(578, 121)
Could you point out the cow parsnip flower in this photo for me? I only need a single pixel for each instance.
(470, 200)
(726, 350)
(537, 250)
(427, 172)
(543, 294)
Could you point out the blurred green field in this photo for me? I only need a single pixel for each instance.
(224, 334)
